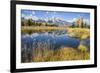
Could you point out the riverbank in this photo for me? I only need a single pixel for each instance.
(32, 29)
(80, 33)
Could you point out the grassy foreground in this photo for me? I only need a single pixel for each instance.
(63, 54)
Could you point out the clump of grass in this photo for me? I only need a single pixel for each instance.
(80, 33)
(72, 54)
(82, 48)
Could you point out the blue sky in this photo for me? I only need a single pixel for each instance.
(67, 16)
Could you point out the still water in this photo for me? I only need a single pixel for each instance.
(51, 40)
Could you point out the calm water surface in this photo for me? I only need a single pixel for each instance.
(54, 40)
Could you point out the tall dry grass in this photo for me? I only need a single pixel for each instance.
(80, 33)
(43, 53)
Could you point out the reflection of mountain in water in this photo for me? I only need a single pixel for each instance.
(51, 40)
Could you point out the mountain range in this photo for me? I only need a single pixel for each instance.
(54, 21)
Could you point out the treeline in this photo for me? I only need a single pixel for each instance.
(30, 22)
(82, 25)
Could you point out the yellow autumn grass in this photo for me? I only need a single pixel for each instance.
(63, 54)
(81, 33)
(30, 29)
